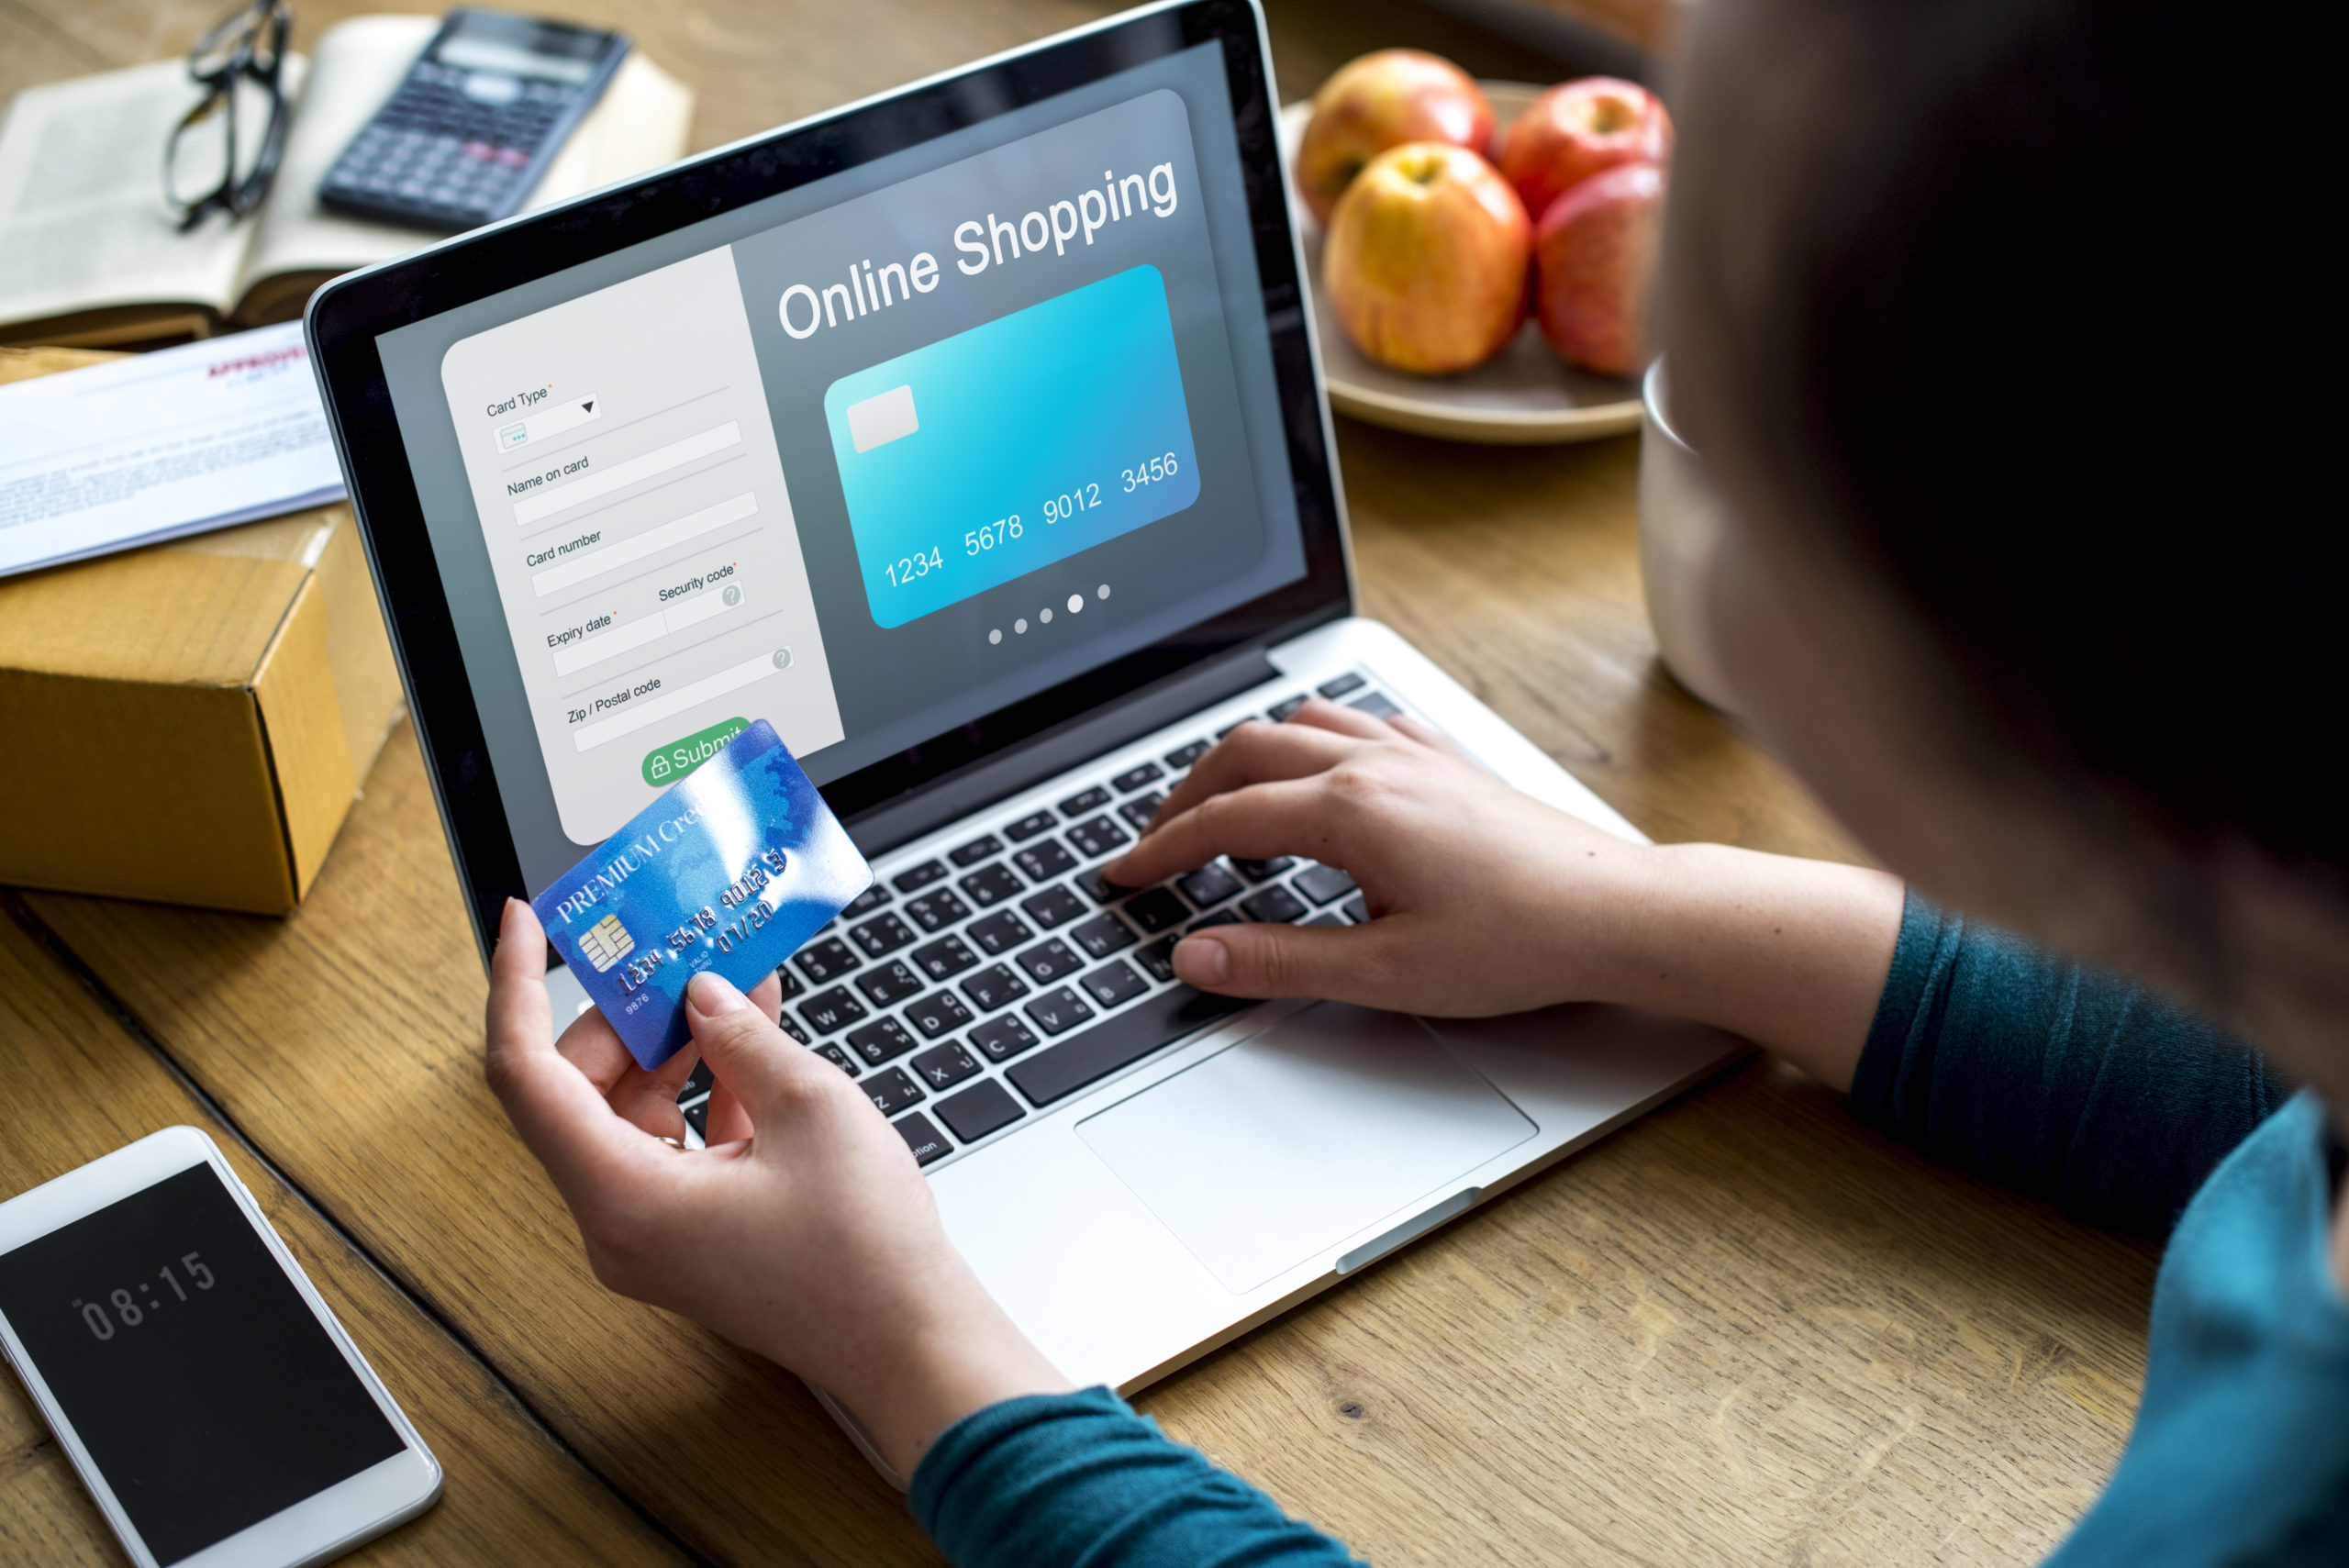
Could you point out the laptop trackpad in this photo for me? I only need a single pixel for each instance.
(1286, 1144)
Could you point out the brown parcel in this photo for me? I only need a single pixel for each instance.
(189, 722)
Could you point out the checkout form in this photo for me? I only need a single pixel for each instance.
(639, 527)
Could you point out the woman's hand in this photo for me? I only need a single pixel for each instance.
(804, 1231)
(1485, 901)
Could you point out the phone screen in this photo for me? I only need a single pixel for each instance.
(202, 1385)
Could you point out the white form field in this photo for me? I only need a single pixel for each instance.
(588, 737)
(646, 628)
(595, 563)
(541, 503)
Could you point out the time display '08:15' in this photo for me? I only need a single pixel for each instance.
(128, 1308)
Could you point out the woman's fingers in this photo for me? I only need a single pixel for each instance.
(1291, 816)
(1350, 964)
(1256, 752)
(560, 1114)
(1322, 714)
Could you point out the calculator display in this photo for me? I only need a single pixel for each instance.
(517, 46)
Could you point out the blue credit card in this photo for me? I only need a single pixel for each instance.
(730, 870)
(987, 455)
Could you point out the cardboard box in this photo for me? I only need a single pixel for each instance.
(190, 722)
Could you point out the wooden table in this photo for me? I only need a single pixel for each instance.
(1743, 1330)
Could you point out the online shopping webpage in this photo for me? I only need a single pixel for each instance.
(867, 473)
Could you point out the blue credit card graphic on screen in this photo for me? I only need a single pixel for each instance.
(987, 455)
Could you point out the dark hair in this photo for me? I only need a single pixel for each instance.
(2033, 310)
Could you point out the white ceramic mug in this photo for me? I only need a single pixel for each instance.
(1681, 526)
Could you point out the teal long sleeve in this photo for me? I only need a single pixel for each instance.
(1080, 1480)
(2070, 1084)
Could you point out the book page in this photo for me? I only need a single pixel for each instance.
(639, 124)
(84, 224)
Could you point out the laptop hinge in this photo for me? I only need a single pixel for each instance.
(884, 827)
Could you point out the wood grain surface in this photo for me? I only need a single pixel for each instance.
(1743, 1330)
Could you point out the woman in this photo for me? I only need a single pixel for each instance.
(2047, 612)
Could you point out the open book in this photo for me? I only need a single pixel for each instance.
(91, 255)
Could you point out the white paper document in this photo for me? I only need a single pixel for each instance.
(160, 445)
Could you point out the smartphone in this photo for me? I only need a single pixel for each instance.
(214, 1407)
(464, 138)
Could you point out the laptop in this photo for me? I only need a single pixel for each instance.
(974, 436)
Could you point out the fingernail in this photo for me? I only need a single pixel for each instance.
(713, 993)
(1203, 960)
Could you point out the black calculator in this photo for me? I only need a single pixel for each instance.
(481, 115)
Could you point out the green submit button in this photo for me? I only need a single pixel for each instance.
(664, 765)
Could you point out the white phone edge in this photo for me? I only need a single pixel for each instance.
(320, 1527)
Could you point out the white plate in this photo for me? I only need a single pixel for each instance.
(1525, 395)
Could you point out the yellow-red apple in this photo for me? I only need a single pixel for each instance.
(1384, 100)
(1576, 129)
(1425, 262)
(1596, 250)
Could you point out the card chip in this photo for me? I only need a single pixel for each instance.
(605, 942)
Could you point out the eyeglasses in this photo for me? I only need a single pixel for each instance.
(237, 64)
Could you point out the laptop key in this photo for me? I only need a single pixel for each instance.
(922, 875)
(1230, 728)
(839, 1058)
(892, 1092)
(888, 986)
(1027, 826)
(939, 1013)
(1057, 1012)
(1001, 1038)
(998, 932)
(1042, 862)
(1140, 809)
(1102, 935)
(1274, 906)
(975, 852)
(993, 986)
(1085, 800)
(1056, 905)
(883, 1039)
(1156, 910)
(1321, 883)
(991, 884)
(1262, 870)
(1096, 836)
(945, 957)
(792, 985)
(697, 1118)
(1326, 917)
(826, 960)
(1049, 960)
(938, 910)
(1134, 778)
(1220, 918)
(927, 1142)
(1278, 713)
(1356, 910)
(1183, 757)
(1100, 888)
(945, 1066)
(1114, 983)
(982, 1108)
(1120, 1040)
(793, 1028)
(1378, 704)
(1208, 886)
(702, 1080)
(829, 1012)
(866, 902)
(1341, 686)
(881, 937)
(1159, 958)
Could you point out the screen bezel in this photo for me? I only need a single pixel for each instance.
(346, 317)
(374, 1499)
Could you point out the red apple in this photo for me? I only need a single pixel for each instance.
(1576, 129)
(1426, 259)
(1384, 100)
(1595, 249)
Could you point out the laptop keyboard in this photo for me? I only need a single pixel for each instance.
(974, 986)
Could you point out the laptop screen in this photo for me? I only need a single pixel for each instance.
(870, 459)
